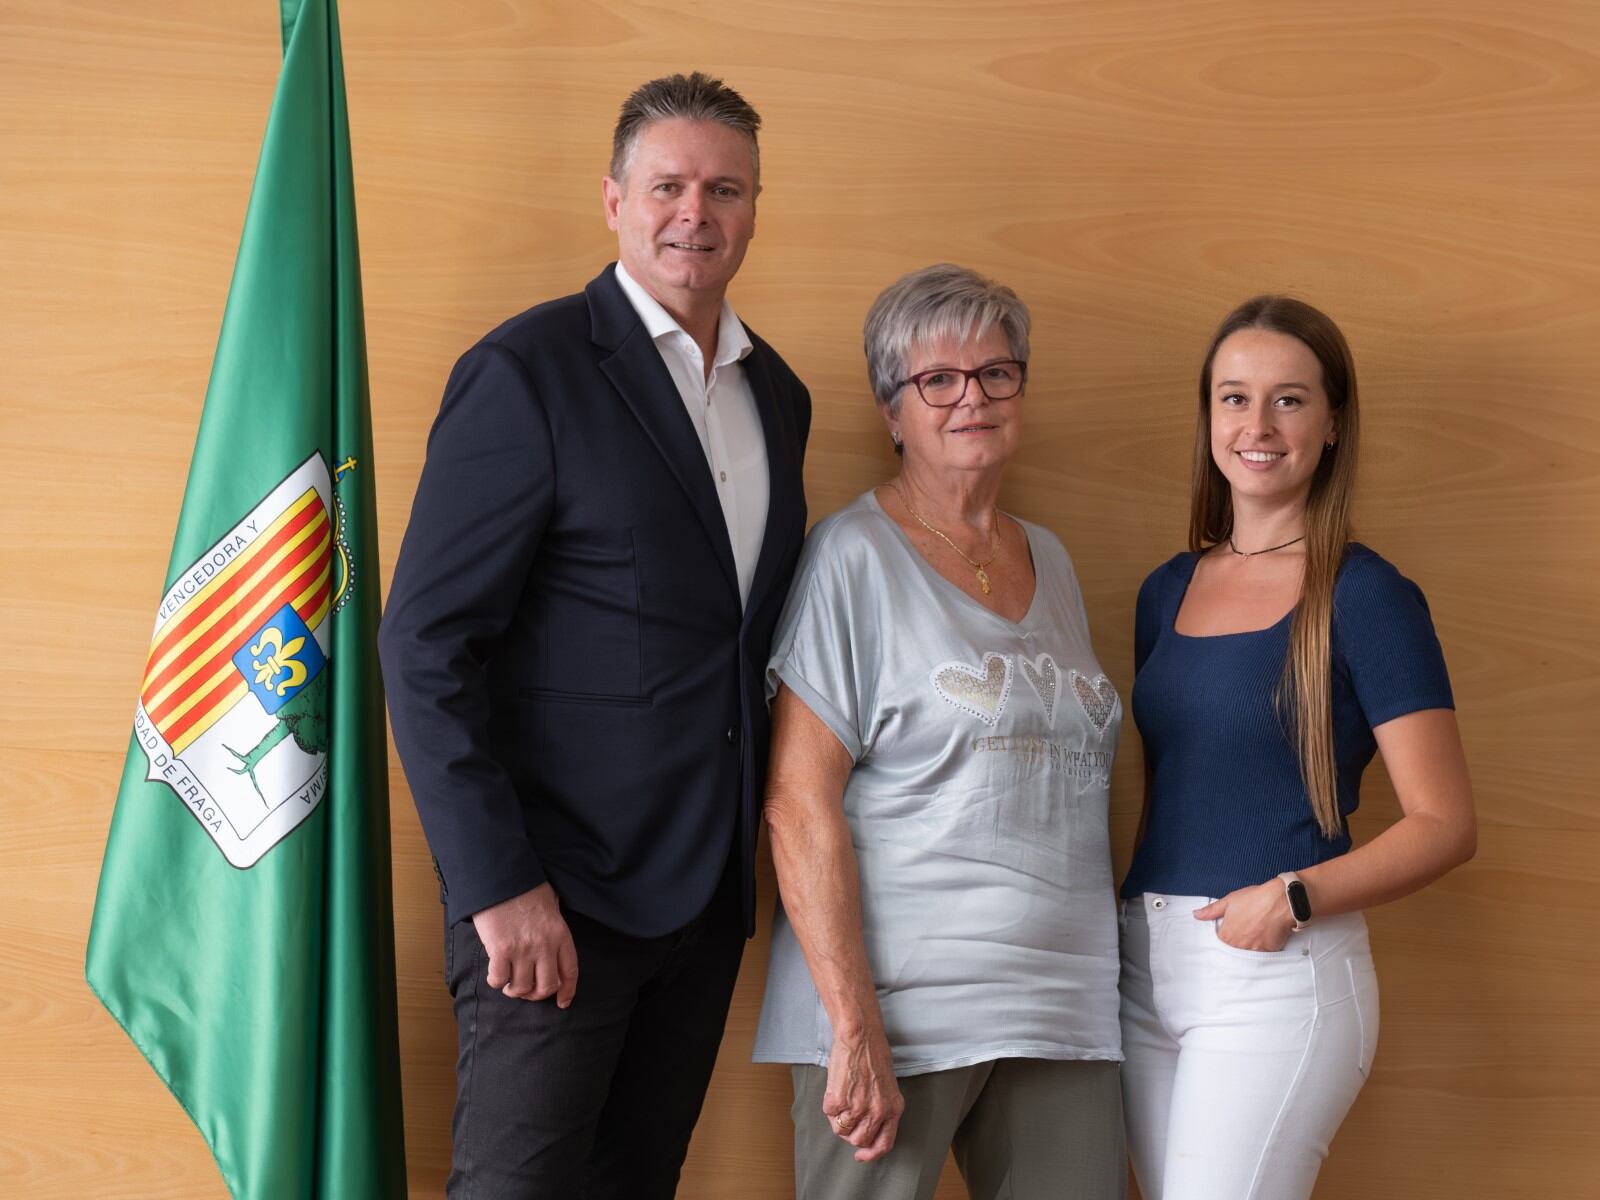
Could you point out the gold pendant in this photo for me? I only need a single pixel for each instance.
(983, 578)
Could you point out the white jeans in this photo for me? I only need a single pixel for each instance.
(1240, 1063)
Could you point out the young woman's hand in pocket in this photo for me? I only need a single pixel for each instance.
(1252, 918)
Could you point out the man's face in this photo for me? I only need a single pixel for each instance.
(685, 211)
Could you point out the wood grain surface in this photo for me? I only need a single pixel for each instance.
(1426, 172)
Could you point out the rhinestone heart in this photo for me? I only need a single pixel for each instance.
(1041, 673)
(982, 693)
(1097, 697)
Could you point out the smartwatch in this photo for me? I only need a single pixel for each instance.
(1299, 900)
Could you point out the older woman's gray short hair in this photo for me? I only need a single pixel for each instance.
(926, 306)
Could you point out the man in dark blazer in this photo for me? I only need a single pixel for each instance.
(574, 647)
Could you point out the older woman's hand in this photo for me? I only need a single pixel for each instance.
(862, 1101)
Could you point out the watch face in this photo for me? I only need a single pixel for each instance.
(1299, 902)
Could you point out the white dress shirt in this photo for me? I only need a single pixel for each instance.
(723, 412)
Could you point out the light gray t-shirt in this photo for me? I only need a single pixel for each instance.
(977, 804)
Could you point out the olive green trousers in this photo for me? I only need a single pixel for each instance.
(1020, 1129)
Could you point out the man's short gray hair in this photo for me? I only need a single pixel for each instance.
(940, 302)
(696, 97)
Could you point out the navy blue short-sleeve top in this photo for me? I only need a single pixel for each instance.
(1227, 807)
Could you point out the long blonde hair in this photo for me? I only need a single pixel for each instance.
(1305, 693)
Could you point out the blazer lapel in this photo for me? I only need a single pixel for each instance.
(635, 369)
(783, 473)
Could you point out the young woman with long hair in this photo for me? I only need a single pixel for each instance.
(1273, 659)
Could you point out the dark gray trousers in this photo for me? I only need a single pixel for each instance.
(598, 1101)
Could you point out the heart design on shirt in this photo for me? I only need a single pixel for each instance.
(981, 693)
(1098, 698)
(1041, 673)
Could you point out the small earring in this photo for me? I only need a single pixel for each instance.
(1328, 445)
(894, 435)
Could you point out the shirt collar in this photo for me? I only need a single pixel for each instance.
(733, 343)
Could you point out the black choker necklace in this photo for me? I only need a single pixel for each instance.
(1268, 550)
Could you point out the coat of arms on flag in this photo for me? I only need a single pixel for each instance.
(233, 711)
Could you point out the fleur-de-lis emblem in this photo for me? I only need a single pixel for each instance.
(280, 658)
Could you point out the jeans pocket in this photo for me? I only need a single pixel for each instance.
(1248, 955)
(462, 951)
(1364, 992)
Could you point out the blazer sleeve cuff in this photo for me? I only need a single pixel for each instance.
(471, 890)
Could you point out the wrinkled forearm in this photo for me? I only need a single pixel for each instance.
(819, 883)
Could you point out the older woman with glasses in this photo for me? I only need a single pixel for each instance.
(944, 956)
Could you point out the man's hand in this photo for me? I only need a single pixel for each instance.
(531, 955)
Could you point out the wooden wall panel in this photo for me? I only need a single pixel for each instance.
(1426, 171)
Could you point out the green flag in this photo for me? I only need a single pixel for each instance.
(244, 930)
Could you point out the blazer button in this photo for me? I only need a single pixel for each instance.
(733, 735)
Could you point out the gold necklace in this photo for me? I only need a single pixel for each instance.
(983, 576)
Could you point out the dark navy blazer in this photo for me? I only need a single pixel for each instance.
(574, 689)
